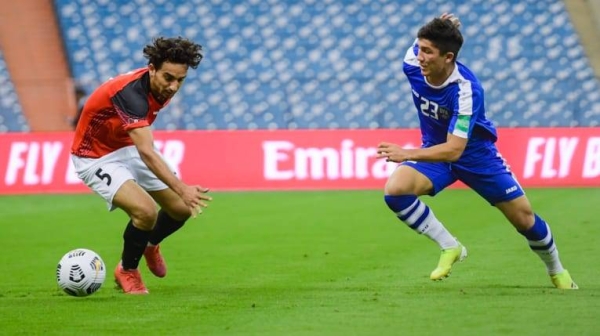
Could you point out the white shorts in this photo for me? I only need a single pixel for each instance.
(107, 174)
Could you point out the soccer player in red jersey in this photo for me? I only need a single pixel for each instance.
(114, 155)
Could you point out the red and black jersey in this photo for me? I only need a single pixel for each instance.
(119, 105)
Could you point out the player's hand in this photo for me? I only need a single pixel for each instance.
(195, 198)
(449, 16)
(392, 152)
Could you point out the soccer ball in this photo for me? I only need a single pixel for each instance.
(80, 272)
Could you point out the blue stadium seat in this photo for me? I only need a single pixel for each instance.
(336, 64)
(11, 115)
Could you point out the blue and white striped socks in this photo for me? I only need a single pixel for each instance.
(541, 242)
(420, 218)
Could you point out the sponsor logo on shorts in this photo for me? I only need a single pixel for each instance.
(511, 189)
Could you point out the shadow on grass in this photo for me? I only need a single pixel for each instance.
(420, 289)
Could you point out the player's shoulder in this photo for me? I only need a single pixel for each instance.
(135, 73)
(132, 85)
(466, 79)
(466, 74)
(124, 79)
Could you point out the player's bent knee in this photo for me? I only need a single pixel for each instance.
(518, 212)
(523, 219)
(399, 185)
(144, 218)
(180, 213)
(177, 210)
(407, 181)
(397, 189)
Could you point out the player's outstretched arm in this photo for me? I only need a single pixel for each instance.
(449, 151)
(193, 196)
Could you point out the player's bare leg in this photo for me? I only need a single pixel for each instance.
(141, 208)
(539, 237)
(171, 217)
(401, 195)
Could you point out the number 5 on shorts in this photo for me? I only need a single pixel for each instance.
(103, 176)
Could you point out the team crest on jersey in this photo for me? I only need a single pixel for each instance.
(444, 113)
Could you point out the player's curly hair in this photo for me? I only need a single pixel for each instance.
(443, 34)
(177, 50)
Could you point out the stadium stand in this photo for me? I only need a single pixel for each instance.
(11, 115)
(335, 64)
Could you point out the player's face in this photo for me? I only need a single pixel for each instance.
(167, 80)
(431, 61)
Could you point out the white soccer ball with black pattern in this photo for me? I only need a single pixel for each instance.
(80, 272)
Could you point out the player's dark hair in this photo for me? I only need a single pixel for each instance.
(176, 50)
(443, 34)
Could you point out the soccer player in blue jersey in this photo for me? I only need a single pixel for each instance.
(458, 144)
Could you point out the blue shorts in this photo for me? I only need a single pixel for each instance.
(483, 170)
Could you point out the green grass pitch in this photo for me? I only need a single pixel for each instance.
(304, 263)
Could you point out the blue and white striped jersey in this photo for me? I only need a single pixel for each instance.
(456, 106)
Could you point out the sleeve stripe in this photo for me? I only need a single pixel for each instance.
(465, 110)
(465, 98)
